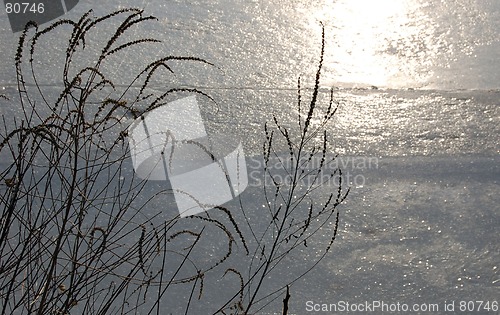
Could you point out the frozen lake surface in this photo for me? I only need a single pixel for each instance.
(417, 129)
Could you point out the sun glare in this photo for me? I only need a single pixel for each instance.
(373, 39)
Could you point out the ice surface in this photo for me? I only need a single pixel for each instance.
(421, 222)
(266, 44)
(420, 230)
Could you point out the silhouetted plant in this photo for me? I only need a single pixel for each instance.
(81, 234)
(293, 216)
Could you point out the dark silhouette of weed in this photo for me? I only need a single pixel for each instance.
(294, 217)
(79, 233)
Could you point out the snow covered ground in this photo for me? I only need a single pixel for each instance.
(421, 224)
(421, 230)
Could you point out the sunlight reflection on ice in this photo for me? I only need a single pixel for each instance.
(398, 43)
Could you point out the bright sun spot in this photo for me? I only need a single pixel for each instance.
(372, 40)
